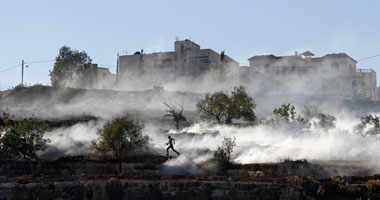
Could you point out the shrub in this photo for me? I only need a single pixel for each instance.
(223, 154)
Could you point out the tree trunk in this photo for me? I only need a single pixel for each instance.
(177, 125)
(31, 166)
(120, 165)
(120, 162)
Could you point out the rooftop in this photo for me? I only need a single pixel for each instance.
(307, 53)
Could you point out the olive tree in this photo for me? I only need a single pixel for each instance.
(22, 139)
(120, 137)
(224, 108)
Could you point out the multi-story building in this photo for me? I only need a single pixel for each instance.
(187, 62)
(332, 75)
(98, 77)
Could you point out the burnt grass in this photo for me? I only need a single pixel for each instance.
(315, 182)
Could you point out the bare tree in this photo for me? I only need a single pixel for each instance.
(176, 113)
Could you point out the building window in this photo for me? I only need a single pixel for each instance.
(354, 84)
(351, 69)
(293, 68)
(335, 66)
(267, 68)
(104, 75)
(182, 49)
(203, 60)
(211, 60)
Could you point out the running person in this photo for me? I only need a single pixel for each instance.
(171, 143)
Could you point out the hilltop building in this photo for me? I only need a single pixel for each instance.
(99, 77)
(187, 61)
(331, 75)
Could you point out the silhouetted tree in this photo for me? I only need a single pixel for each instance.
(175, 113)
(69, 67)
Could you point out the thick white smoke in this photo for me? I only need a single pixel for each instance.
(258, 144)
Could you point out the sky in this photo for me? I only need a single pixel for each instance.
(35, 30)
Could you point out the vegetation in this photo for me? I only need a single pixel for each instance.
(175, 113)
(285, 112)
(22, 139)
(286, 116)
(118, 138)
(224, 108)
(70, 68)
(222, 155)
(369, 126)
(323, 121)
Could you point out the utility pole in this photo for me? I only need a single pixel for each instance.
(117, 69)
(22, 73)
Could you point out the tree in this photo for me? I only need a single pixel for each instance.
(286, 116)
(285, 112)
(223, 108)
(325, 121)
(22, 139)
(243, 105)
(69, 68)
(175, 113)
(369, 125)
(214, 107)
(119, 138)
(222, 155)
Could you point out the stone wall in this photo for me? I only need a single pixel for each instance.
(142, 189)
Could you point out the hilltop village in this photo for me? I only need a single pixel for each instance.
(189, 67)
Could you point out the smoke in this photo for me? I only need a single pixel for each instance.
(196, 143)
(255, 144)
(71, 141)
(263, 144)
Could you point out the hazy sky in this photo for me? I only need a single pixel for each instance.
(35, 30)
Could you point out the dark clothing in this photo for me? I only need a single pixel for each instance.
(171, 143)
(171, 147)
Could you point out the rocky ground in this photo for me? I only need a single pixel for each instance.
(142, 178)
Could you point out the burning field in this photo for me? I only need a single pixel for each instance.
(310, 154)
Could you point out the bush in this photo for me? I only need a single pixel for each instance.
(222, 155)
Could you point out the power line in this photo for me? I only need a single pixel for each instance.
(41, 61)
(5, 70)
(368, 57)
